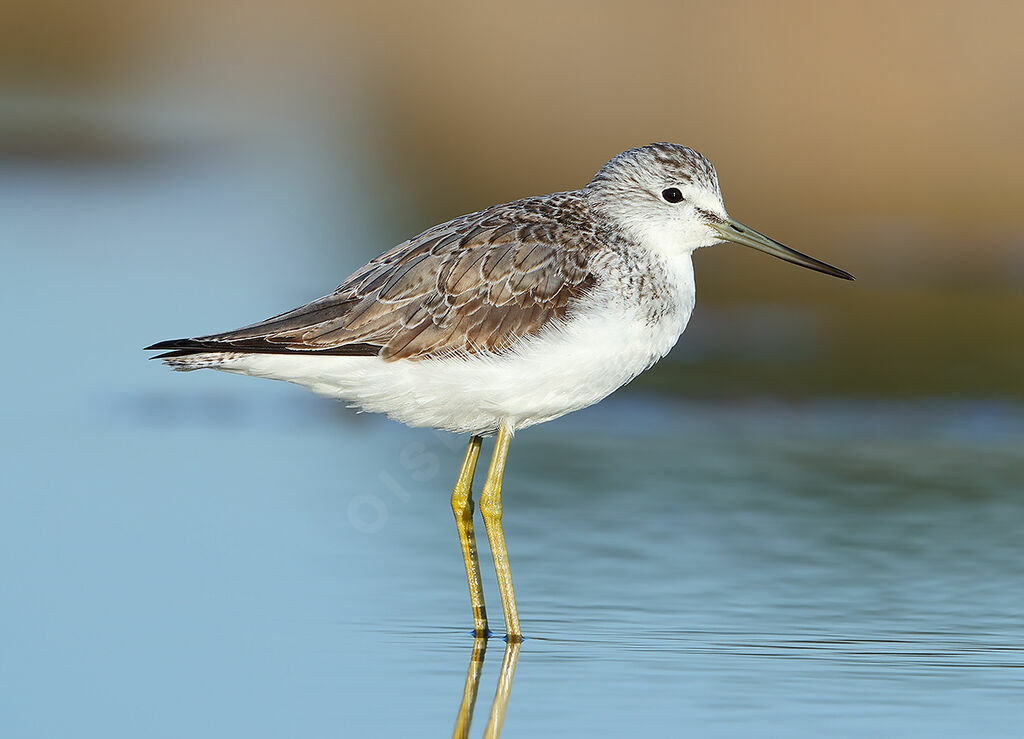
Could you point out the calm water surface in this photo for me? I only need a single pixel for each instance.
(276, 567)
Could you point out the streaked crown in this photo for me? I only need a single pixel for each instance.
(666, 162)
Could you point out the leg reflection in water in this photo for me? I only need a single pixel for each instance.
(501, 693)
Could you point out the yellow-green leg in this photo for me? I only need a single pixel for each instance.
(490, 508)
(462, 507)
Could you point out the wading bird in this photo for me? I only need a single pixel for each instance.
(505, 318)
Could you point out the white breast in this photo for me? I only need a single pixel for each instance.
(618, 332)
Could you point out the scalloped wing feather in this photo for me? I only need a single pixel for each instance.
(479, 283)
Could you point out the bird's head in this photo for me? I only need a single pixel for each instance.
(667, 197)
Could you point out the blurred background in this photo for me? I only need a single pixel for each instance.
(826, 480)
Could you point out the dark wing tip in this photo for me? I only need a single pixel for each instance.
(185, 347)
(165, 345)
(174, 348)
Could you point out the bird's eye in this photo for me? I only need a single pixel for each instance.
(672, 195)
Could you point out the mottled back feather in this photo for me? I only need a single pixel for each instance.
(478, 283)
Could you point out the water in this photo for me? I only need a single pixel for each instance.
(207, 555)
(283, 570)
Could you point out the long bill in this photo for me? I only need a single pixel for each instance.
(734, 231)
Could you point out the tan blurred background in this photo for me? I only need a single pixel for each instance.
(882, 137)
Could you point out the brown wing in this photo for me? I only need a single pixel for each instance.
(479, 283)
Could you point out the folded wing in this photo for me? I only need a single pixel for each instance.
(479, 283)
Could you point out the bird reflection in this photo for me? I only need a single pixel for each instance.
(501, 692)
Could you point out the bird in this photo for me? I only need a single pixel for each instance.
(505, 318)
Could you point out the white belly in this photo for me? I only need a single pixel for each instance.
(610, 340)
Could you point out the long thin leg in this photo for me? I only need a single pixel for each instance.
(490, 508)
(462, 507)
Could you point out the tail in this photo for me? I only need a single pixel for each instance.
(191, 354)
